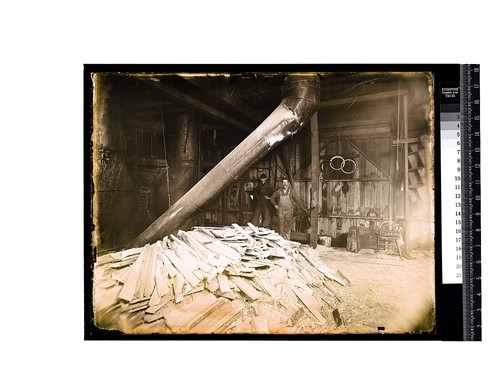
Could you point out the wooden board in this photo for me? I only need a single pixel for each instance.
(188, 327)
(182, 314)
(325, 271)
(244, 233)
(265, 285)
(246, 288)
(130, 252)
(220, 248)
(163, 301)
(194, 246)
(121, 275)
(219, 318)
(161, 278)
(224, 283)
(172, 271)
(155, 297)
(178, 287)
(181, 267)
(128, 289)
(151, 272)
(253, 228)
(309, 303)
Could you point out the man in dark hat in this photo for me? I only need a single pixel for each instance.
(262, 196)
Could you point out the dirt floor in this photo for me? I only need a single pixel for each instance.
(385, 294)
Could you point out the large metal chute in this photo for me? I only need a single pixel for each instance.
(300, 102)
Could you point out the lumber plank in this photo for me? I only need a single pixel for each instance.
(289, 294)
(128, 289)
(150, 279)
(218, 318)
(246, 288)
(138, 307)
(264, 284)
(178, 286)
(229, 295)
(182, 314)
(203, 314)
(122, 264)
(130, 252)
(223, 283)
(311, 269)
(200, 236)
(344, 277)
(161, 278)
(155, 297)
(219, 248)
(331, 290)
(149, 318)
(307, 276)
(172, 271)
(213, 285)
(253, 228)
(181, 267)
(104, 259)
(163, 301)
(141, 287)
(182, 251)
(121, 275)
(312, 261)
(196, 289)
(325, 271)
(244, 233)
(307, 301)
(198, 246)
(206, 231)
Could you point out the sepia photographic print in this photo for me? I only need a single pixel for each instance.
(249, 201)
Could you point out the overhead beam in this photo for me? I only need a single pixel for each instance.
(199, 105)
(229, 99)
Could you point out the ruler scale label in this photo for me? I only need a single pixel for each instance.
(451, 184)
(471, 201)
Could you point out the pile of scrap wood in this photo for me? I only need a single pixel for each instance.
(217, 280)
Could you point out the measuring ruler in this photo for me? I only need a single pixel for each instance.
(471, 200)
(460, 193)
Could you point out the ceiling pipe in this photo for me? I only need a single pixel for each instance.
(300, 101)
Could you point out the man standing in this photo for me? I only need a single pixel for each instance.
(262, 195)
(284, 204)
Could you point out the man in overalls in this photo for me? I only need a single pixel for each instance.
(282, 200)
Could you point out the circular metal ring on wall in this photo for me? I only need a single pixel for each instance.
(354, 166)
(341, 165)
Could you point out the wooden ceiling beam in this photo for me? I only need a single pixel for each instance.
(202, 106)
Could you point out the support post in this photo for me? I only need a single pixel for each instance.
(407, 198)
(314, 179)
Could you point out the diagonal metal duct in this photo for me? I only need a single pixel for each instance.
(300, 102)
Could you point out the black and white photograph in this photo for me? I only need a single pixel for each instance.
(252, 202)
